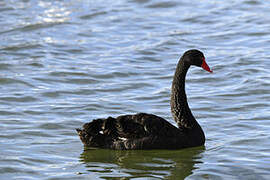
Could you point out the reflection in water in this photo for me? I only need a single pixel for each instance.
(110, 164)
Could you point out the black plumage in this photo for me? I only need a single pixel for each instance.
(148, 131)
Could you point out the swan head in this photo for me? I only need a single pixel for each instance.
(196, 58)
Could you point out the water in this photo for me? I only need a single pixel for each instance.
(64, 63)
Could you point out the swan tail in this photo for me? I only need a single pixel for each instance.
(99, 133)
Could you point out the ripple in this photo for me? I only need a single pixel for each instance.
(22, 46)
(2, 9)
(167, 4)
(50, 126)
(18, 99)
(92, 15)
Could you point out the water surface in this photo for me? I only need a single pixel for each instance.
(64, 63)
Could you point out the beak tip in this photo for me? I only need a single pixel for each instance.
(206, 67)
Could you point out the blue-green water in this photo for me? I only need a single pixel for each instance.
(63, 63)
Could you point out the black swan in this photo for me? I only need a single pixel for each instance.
(148, 131)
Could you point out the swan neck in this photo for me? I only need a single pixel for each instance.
(179, 105)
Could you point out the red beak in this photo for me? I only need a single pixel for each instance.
(205, 66)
